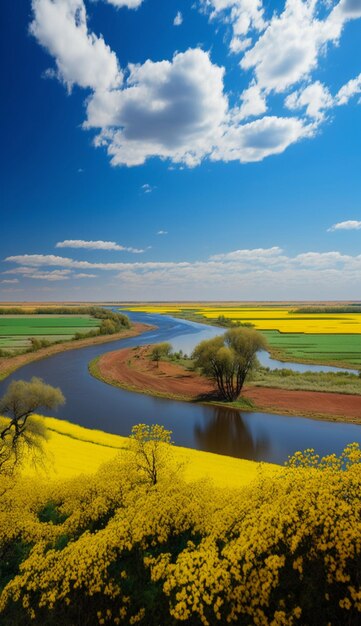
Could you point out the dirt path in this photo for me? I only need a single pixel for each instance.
(132, 369)
(12, 363)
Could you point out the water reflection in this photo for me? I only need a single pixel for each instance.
(227, 432)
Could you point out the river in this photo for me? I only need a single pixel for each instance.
(256, 436)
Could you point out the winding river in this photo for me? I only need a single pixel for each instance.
(256, 436)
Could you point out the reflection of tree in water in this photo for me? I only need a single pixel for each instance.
(227, 433)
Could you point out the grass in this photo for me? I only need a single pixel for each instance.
(72, 450)
(16, 331)
(334, 382)
(337, 349)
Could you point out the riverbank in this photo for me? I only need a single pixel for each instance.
(132, 369)
(10, 364)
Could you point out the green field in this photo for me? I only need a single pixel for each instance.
(16, 331)
(322, 348)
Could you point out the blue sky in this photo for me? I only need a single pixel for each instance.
(180, 150)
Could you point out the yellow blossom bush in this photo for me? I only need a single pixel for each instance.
(110, 549)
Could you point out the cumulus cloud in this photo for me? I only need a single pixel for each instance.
(259, 139)
(162, 232)
(315, 98)
(10, 281)
(96, 245)
(178, 109)
(293, 41)
(287, 50)
(178, 20)
(81, 57)
(171, 109)
(347, 225)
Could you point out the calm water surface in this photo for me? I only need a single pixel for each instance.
(256, 436)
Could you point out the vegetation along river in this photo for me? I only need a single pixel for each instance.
(249, 435)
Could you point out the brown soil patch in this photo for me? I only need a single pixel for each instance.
(131, 368)
(307, 402)
(12, 363)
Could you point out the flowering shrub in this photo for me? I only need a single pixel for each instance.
(108, 549)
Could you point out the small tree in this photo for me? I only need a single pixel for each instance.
(150, 448)
(160, 351)
(20, 430)
(229, 359)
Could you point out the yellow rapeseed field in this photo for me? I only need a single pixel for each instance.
(73, 450)
(269, 318)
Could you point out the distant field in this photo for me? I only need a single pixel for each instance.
(321, 348)
(16, 331)
(316, 337)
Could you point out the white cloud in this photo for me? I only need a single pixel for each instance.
(347, 225)
(244, 16)
(130, 4)
(287, 50)
(243, 274)
(324, 259)
(170, 109)
(53, 275)
(347, 91)
(238, 45)
(253, 103)
(96, 245)
(259, 139)
(146, 188)
(178, 20)
(349, 9)
(81, 57)
(10, 281)
(291, 45)
(259, 255)
(162, 232)
(178, 109)
(38, 260)
(316, 98)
